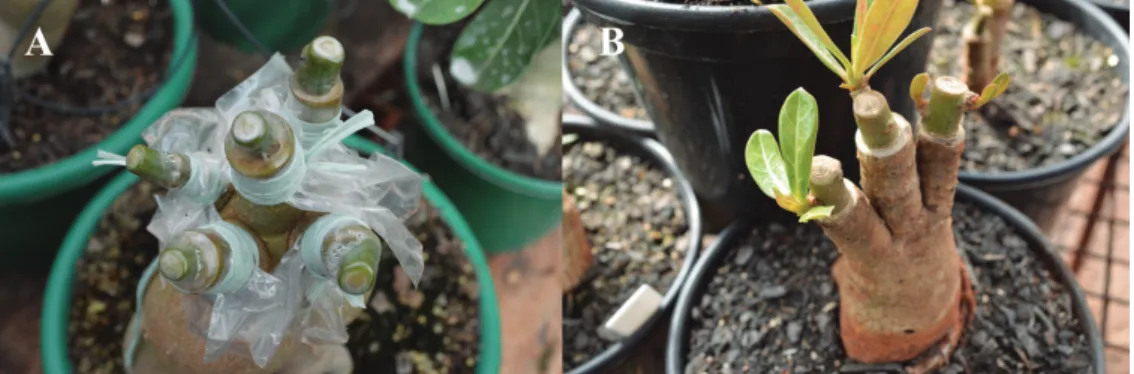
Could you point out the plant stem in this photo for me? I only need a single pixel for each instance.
(316, 86)
(980, 56)
(169, 170)
(874, 119)
(259, 144)
(359, 266)
(1001, 14)
(193, 261)
(827, 183)
(948, 101)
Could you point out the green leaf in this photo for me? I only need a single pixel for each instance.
(994, 89)
(860, 8)
(817, 212)
(436, 12)
(495, 48)
(884, 23)
(917, 88)
(897, 49)
(804, 13)
(812, 41)
(799, 123)
(765, 164)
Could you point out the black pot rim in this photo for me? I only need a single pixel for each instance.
(1110, 5)
(1078, 164)
(723, 18)
(581, 101)
(676, 343)
(586, 127)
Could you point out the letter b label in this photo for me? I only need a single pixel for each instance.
(611, 41)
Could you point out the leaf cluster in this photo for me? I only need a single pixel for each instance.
(783, 171)
(877, 26)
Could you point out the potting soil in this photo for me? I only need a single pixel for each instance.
(601, 78)
(772, 307)
(112, 52)
(636, 227)
(1065, 95)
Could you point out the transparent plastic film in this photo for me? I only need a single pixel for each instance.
(326, 318)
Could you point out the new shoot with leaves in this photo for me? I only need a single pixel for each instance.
(783, 171)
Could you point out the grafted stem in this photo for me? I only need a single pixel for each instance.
(577, 256)
(358, 268)
(980, 55)
(194, 260)
(998, 27)
(169, 170)
(874, 119)
(948, 101)
(827, 183)
(316, 87)
(259, 144)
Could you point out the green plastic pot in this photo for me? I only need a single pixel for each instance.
(57, 300)
(38, 205)
(280, 25)
(506, 210)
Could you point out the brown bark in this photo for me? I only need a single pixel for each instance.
(981, 58)
(1001, 15)
(904, 291)
(577, 256)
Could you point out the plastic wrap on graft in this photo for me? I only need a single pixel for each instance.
(325, 321)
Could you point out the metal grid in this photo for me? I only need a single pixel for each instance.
(1093, 235)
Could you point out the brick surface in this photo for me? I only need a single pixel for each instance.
(1117, 361)
(1092, 275)
(1118, 325)
(527, 285)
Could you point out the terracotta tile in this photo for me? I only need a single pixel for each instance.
(1092, 275)
(527, 283)
(1119, 282)
(1122, 242)
(1096, 305)
(1117, 361)
(1101, 239)
(1122, 173)
(1068, 229)
(1096, 172)
(1118, 325)
(1121, 204)
(1067, 256)
(1083, 197)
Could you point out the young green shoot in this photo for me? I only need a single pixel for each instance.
(877, 26)
(783, 171)
(950, 99)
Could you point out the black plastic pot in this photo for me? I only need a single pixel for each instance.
(1039, 193)
(710, 76)
(710, 260)
(651, 150)
(603, 115)
(1119, 12)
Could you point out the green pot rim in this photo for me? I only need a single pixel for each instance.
(57, 300)
(31, 185)
(507, 179)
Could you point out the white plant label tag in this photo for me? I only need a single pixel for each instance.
(632, 314)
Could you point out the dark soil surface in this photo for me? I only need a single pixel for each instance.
(601, 78)
(112, 52)
(432, 329)
(484, 122)
(106, 282)
(1066, 92)
(773, 307)
(636, 227)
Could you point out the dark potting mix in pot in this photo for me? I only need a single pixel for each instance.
(772, 307)
(601, 78)
(112, 55)
(1066, 94)
(636, 226)
(487, 123)
(433, 328)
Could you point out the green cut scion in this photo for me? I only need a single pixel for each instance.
(799, 126)
(169, 170)
(817, 212)
(994, 89)
(322, 61)
(176, 263)
(762, 156)
(948, 101)
(359, 267)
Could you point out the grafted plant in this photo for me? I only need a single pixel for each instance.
(983, 36)
(268, 230)
(905, 295)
